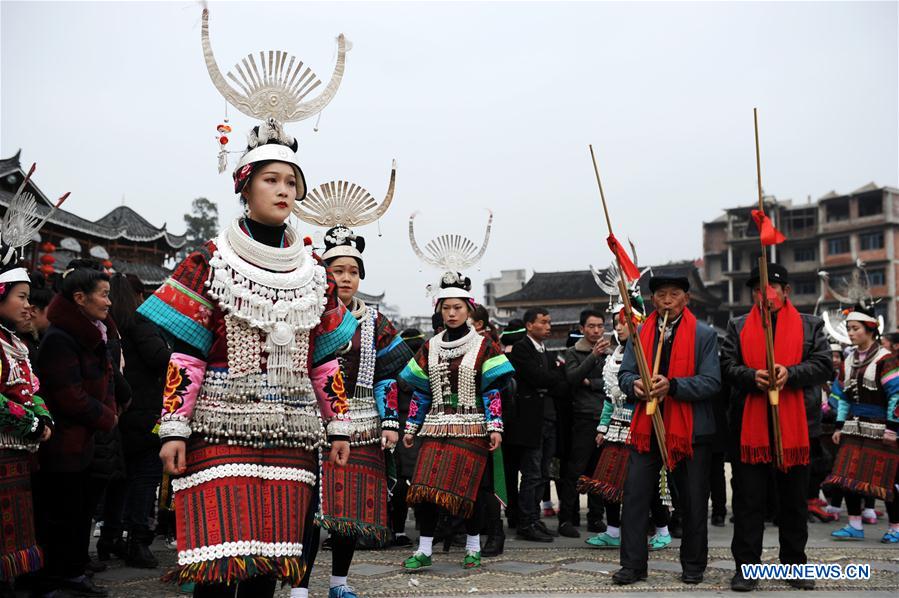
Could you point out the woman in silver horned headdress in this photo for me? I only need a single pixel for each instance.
(253, 385)
(354, 498)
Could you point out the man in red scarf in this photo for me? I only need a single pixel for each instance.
(802, 365)
(688, 380)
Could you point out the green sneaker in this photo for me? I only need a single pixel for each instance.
(417, 561)
(659, 541)
(604, 540)
(472, 560)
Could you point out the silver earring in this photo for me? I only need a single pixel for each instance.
(246, 210)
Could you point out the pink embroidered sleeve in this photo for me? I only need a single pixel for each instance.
(182, 386)
(330, 391)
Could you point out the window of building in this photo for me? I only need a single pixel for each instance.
(838, 211)
(804, 254)
(870, 206)
(877, 278)
(837, 245)
(805, 287)
(871, 240)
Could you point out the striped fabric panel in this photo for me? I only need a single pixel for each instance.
(176, 323)
(494, 369)
(416, 377)
(329, 341)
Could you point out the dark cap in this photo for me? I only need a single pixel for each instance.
(657, 282)
(776, 273)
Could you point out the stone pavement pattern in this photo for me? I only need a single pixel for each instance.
(564, 567)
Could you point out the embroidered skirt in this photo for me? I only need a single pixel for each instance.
(448, 473)
(354, 497)
(19, 553)
(610, 473)
(865, 466)
(240, 512)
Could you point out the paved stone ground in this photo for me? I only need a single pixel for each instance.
(564, 567)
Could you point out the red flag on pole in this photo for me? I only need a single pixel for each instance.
(627, 266)
(767, 232)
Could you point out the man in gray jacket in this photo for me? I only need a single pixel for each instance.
(688, 380)
(583, 371)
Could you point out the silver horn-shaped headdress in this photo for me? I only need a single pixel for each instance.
(277, 86)
(852, 290)
(608, 279)
(273, 91)
(341, 205)
(452, 254)
(20, 224)
(344, 203)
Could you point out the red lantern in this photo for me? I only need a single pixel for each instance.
(107, 264)
(48, 259)
(46, 269)
(48, 247)
(223, 140)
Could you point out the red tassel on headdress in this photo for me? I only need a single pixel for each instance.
(627, 266)
(769, 235)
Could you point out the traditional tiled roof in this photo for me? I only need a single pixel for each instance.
(121, 223)
(546, 286)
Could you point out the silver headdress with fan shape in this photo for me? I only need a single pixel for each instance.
(852, 290)
(273, 91)
(20, 225)
(341, 203)
(452, 254)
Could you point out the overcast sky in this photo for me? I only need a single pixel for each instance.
(482, 104)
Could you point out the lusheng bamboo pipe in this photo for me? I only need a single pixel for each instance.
(651, 405)
(642, 364)
(773, 392)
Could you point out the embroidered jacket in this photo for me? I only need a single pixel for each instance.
(371, 363)
(871, 393)
(457, 387)
(264, 352)
(23, 414)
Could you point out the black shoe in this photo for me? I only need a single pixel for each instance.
(85, 587)
(139, 555)
(691, 578)
(738, 583)
(546, 530)
(568, 530)
(801, 584)
(495, 545)
(718, 520)
(596, 527)
(92, 567)
(402, 541)
(328, 544)
(109, 548)
(626, 576)
(532, 533)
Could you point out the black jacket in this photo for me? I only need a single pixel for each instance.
(580, 365)
(809, 374)
(539, 382)
(146, 359)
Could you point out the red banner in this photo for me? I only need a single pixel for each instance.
(767, 232)
(627, 266)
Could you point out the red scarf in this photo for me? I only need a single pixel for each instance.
(677, 415)
(788, 338)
